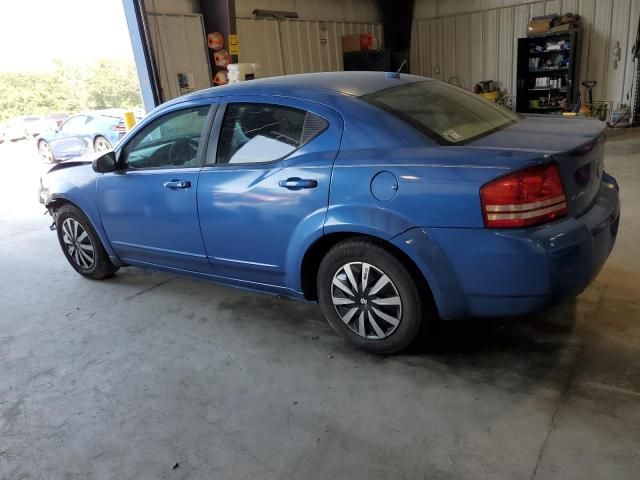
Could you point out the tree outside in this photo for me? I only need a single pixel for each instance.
(68, 87)
(74, 55)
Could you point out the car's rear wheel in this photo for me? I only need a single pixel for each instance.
(369, 297)
(46, 154)
(101, 144)
(81, 245)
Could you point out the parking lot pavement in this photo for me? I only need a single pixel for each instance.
(21, 168)
(152, 376)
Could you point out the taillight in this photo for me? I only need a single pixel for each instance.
(119, 127)
(529, 197)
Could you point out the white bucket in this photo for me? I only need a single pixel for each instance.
(239, 72)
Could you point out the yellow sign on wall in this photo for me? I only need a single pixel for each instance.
(234, 46)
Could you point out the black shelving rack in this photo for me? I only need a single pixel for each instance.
(545, 74)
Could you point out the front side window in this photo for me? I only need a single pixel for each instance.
(448, 114)
(259, 133)
(169, 141)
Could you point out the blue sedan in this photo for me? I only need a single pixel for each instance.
(95, 131)
(392, 200)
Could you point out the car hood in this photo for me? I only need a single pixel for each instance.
(543, 134)
(83, 160)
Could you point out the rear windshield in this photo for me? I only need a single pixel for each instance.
(448, 114)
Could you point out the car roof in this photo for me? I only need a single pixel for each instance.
(105, 112)
(22, 118)
(342, 83)
(110, 114)
(347, 83)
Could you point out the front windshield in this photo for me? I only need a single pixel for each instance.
(448, 114)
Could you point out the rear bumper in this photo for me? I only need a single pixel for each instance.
(489, 273)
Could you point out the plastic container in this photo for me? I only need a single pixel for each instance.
(620, 116)
(492, 96)
(240, 72)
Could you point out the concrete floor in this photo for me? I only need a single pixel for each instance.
(127, 378)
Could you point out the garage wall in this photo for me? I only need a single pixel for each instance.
(311, 43)
(477, 40)
(296, 46)
(362, 11)
(171, 6)
(180, 46)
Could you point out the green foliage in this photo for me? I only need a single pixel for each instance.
(69, 88)
(112, 85)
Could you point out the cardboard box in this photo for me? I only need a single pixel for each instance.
(539, 26)
(357, 42)
(561, 28)
(351, 43)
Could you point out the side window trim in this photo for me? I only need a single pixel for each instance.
(212, 145)
(213, 106)
(211, 160)
(206, 133)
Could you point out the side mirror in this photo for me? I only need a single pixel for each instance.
(105, 163)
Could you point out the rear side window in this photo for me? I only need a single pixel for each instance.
(259, 133)
(448, 114)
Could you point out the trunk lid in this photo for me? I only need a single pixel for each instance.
(575, 144)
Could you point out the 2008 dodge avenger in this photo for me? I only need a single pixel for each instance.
(390, 199)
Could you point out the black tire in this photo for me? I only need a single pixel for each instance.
(101, 266)
(410, 313)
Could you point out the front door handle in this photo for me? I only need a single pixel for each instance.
(296, 183)
(176, 184)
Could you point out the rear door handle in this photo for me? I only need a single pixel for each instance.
(296, 183)
(176, 184)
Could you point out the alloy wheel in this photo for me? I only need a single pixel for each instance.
(78, 243)
(45, 152)
(366, 300)
(102, 144)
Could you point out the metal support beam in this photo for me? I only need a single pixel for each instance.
(396, 18)
(143, 54)
(219, 16)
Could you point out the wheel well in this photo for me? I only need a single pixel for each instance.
(55, 205)
(317, 251)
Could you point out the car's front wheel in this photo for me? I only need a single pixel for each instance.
(101, 144)
(369, 296)
(46, 154)
(81, 245)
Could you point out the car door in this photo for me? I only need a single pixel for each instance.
(69, 141)
(148, 205)
(265, 186)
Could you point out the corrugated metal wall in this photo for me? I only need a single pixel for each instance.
(360, 11)
(296, 46)
(171, 6)
(477, 40)
(180, 46)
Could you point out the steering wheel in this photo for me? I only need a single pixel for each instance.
(182, 151)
